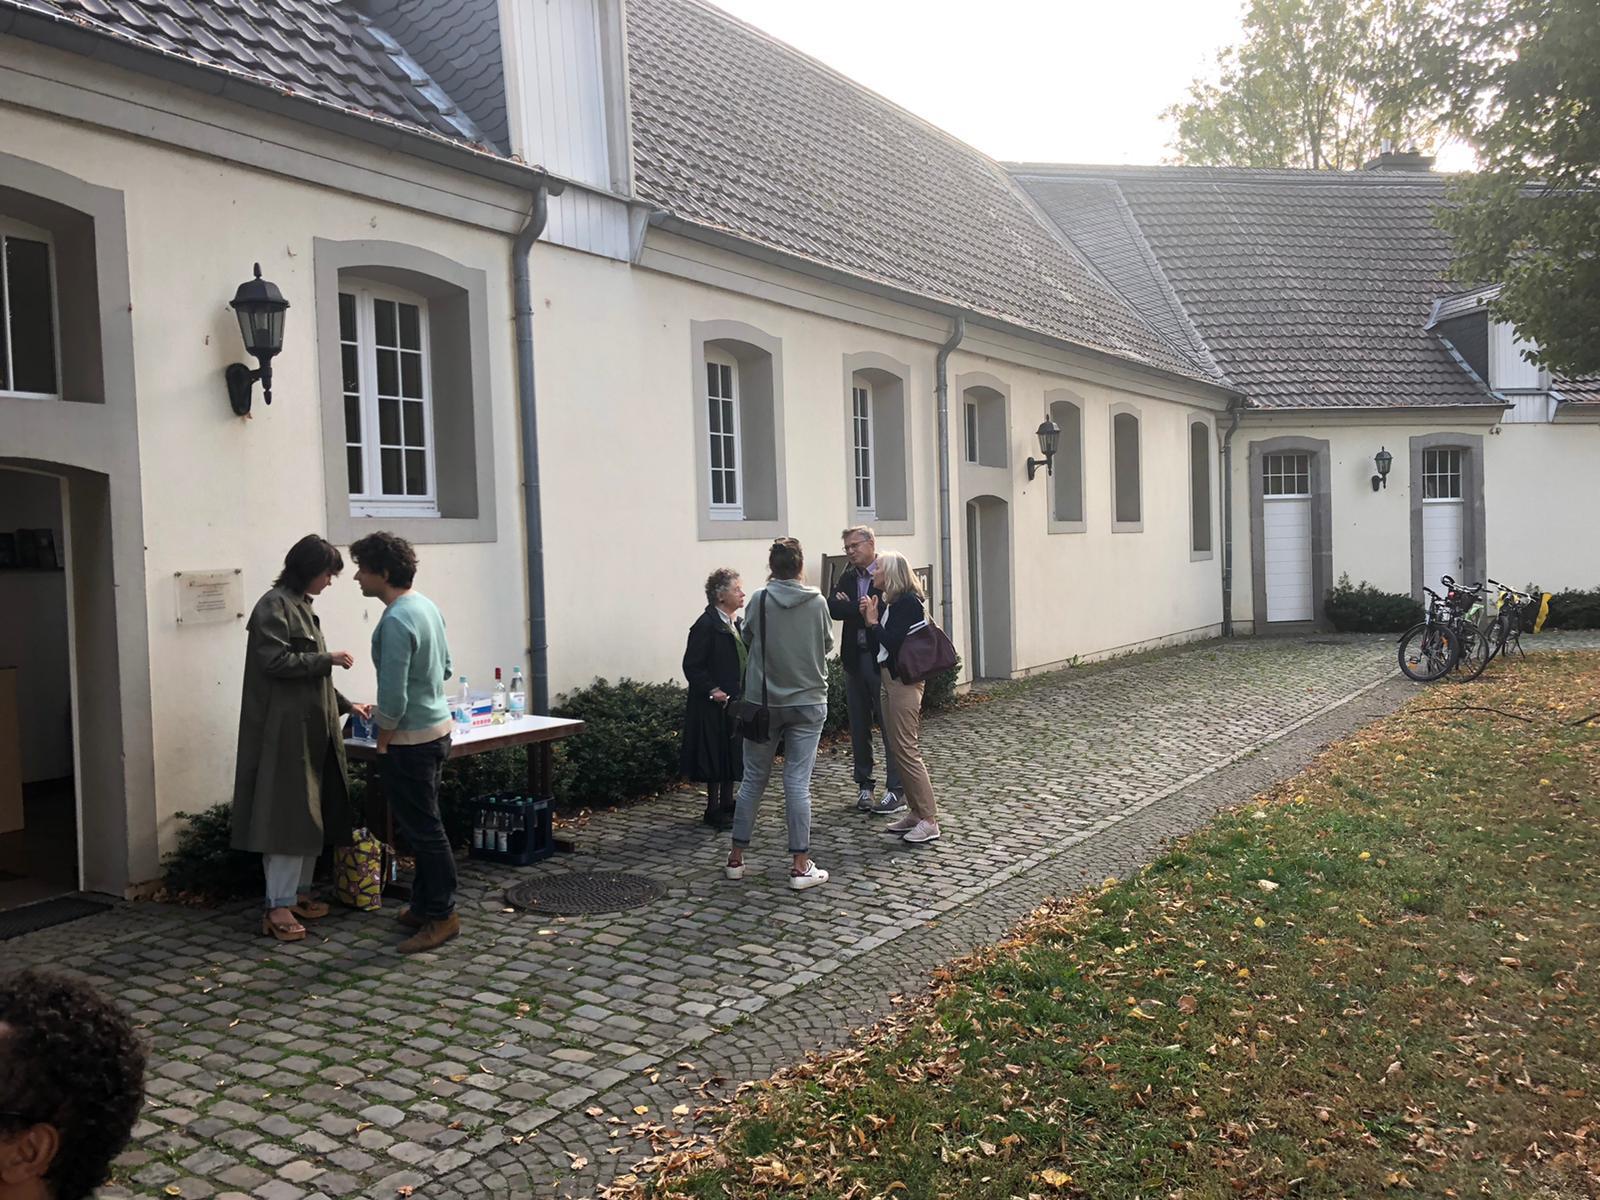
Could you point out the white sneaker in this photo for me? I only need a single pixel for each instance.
(814, 875)
(904, 825)
(735, 872)
(924, 831)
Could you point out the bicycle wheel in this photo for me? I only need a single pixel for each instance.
(1472, 653)
(1427, 652)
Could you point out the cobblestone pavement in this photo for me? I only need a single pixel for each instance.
(335, 1067)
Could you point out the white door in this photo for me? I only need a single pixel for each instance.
(1286, 535)
(1443, 517)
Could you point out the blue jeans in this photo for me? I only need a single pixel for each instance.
(799, 728)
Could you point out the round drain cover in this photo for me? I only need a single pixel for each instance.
(587, 892)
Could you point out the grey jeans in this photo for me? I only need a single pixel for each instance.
(287, 876)
(863, 691)
(799, 728)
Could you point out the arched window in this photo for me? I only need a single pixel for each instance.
(878, 471)
(1127, 497)
(739, 430)
(1066, 480)
(1199, 490)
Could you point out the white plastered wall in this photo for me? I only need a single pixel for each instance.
(1539, 483)
(221, 492)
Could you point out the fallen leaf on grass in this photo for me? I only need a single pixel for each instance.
(1266, 885)
(1187, 1004)
(1055, 1178)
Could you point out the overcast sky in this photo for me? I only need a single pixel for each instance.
(1051, 80)
(1042, 80)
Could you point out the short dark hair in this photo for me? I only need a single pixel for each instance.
(308, 558)
(786, 560)
(386, 554)
(718, 582)
(69, 1058)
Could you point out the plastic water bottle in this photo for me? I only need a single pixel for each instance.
(502, 833)
(497, 701)
(519, 695)
(477, 829)
(463, 708)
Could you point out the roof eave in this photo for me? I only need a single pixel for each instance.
(105, 46)
(1488, 412)
(751, 248)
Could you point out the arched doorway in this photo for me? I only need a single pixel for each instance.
(989, 587)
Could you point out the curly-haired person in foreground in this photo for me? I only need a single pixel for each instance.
(71, 1083)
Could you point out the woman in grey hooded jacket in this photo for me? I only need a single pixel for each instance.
(789, 632)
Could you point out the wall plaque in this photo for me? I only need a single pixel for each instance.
(209, 597)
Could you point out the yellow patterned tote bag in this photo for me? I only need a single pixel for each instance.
(358, 872)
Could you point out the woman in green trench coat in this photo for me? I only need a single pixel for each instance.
(291, 792)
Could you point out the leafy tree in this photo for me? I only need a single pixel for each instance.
(1520, 80)
(1314, 83)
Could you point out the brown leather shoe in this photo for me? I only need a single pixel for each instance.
(432, 935)
(410, 919)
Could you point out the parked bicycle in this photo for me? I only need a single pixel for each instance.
(1514, 609)
(1467, 603)
(1430, 648)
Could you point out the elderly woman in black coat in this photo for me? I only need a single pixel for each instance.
(713, 663)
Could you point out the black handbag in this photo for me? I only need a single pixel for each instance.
(755, 720)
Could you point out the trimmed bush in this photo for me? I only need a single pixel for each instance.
(1573, 609)
(838, 703)
(1362, 608)
(941, 690)
(204, 864)
(629, 746)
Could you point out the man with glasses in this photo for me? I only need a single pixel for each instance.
(71, 1083)
(858, 654)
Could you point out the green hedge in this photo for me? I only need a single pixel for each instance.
(630, 743)
(1573, 609)
(203, 863)
(1362, 608)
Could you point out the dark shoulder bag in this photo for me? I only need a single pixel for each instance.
(755, 720)
(925, 653)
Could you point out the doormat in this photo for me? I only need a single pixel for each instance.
(589, 892)
(33, 917)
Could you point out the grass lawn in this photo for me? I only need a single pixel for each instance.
(1380, 978)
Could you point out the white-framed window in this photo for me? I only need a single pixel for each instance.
(1286, 474)
(972, 431)
(388, 402)
(1441, 474)
(30, 349)
(863, 449)
(722, 425)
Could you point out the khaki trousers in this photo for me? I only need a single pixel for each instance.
(902, 728)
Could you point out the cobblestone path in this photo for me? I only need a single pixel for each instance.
(335, 1067)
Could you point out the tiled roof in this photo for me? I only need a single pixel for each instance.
(743, 135)
(320, 50)
(458, 43)
(1310, 289)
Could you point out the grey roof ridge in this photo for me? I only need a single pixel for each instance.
(1197, 352)
(1189, 172)
(148, 58)
(742, 242)
(1197, 347)
(854, 84)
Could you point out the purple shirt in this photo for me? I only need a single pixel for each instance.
(863, 586)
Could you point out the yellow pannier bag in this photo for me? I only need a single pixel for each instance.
(358, 872)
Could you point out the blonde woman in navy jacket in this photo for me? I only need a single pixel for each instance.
(893, 619)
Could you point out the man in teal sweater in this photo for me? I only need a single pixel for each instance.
(413, 720)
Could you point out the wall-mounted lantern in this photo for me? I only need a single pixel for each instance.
(1049, 438)
(1382, 459)
(260, 306)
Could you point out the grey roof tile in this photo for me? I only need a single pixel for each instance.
(1310, 289)
(739, 133)
(323, 50)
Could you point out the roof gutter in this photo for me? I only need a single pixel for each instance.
(941, 387)
(528, 410)
(108, 46)
(748, 247)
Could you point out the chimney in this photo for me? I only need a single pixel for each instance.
(1390, 159)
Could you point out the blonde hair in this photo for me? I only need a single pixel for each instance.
(895, 577)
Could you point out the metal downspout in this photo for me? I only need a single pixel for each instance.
(1227, 521)
(941, 384)
(521, 274)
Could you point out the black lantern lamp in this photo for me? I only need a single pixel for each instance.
(260, 306)
(1049, 438)
(1382, 459)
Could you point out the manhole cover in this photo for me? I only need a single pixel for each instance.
(589, 892)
